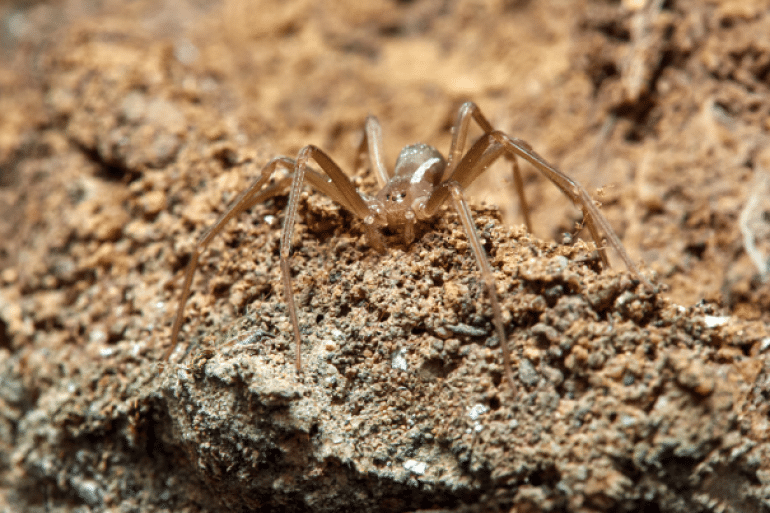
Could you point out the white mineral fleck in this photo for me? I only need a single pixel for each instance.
(712, 321)
(398, 361)
(477, 410)
(416, 467)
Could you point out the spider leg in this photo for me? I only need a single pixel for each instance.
(371, 143)
(340, 189)
(470, 111)
(325, 186)
(479, 157)
(523, 204)
(252, 195)
(454, 189)
(465, 114)
(492, 145)
(593, 218)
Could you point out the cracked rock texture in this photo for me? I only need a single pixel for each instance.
(127, 129)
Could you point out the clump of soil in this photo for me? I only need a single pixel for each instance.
(130, 135)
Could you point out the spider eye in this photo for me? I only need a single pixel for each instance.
(395, 197)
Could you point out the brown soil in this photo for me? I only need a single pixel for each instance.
(127, 129)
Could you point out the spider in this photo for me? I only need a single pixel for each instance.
(413, 193)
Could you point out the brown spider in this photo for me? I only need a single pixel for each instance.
(420, 184)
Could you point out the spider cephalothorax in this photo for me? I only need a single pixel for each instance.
(400, 204)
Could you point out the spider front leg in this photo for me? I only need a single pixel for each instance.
(454, 189)
(252, 195)
(340, 190)
(371, 143)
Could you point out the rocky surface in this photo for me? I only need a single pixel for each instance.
(123, 141)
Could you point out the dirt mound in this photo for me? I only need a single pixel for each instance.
(126, 131)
